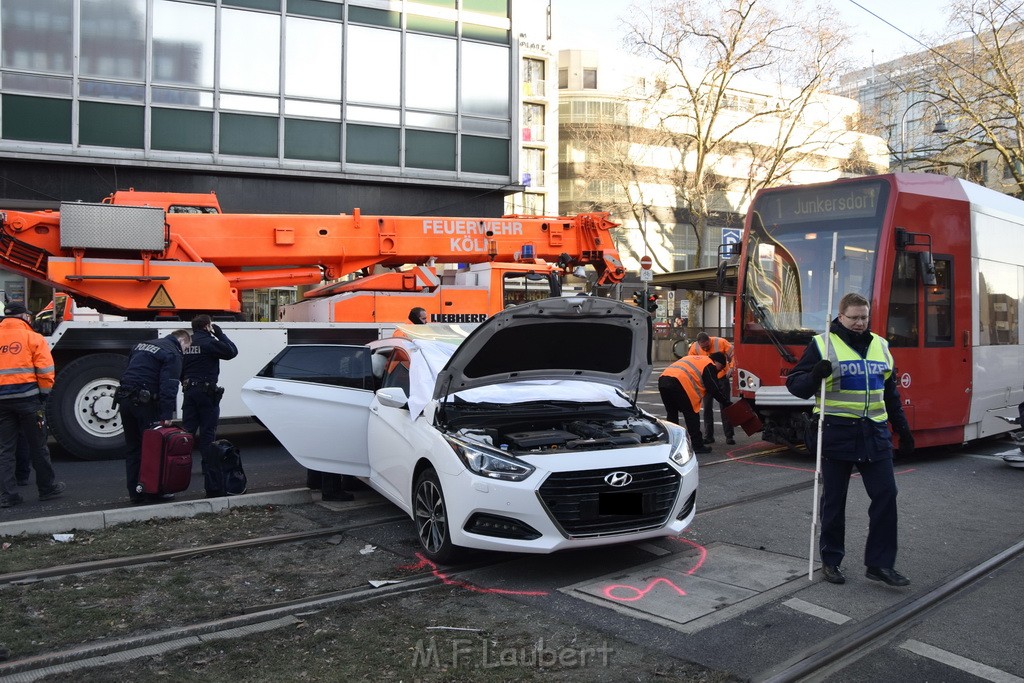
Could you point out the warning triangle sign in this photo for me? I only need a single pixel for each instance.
(161, 299)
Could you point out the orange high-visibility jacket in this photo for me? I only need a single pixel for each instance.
(717, 344)
(26, 366)
(688, 370)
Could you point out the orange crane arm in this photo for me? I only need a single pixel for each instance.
(146, 251)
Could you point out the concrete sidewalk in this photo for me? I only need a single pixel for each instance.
(101, 519)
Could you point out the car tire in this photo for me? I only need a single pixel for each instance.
(431, 517)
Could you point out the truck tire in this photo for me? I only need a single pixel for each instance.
(80, 411)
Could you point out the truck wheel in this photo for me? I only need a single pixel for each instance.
(81, 409)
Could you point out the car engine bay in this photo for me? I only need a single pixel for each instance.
(560, 435)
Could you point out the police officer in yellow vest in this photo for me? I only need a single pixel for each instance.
(860, 396)
(683, 386)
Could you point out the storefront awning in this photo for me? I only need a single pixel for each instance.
(700, 279)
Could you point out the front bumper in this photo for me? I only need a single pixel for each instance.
(570, 506)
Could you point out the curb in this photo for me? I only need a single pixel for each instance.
(102, 519)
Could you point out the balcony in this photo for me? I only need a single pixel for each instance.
(533, 133)
(534, 89)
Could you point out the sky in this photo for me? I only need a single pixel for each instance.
(595, 24)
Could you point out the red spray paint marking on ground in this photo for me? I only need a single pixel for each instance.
(637, 593)
(424, 563)
(634, 593)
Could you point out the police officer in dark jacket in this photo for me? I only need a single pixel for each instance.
(200, 408)
(860, 396)
(149, 394)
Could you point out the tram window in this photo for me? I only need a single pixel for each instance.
(939, 306)
(998, 294)
(901, 324)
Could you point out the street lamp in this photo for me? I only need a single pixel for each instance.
(940, 127)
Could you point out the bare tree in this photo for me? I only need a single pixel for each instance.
(738, 83)
(976, 77)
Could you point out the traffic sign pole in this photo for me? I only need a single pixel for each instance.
(646, 276)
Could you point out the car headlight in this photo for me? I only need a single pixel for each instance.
(489, 463)
(679, 439)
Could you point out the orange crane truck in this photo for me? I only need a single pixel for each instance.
(148, 262)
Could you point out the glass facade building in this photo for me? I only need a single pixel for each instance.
(322, 99)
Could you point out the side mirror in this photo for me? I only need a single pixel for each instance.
(392, 397)
(927, 266)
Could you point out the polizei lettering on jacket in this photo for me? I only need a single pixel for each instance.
(470, 235)
(858, 367)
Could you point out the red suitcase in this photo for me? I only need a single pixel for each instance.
(166, 460)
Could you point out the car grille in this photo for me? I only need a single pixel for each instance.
(583, 504)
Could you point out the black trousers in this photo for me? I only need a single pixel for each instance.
(135, 419)
(677, 402)
(880, 484)
(200, 414)
(19, 419)
(709, 411)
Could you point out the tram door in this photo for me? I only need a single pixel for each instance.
(933, 371)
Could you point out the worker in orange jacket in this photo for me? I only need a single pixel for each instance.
(705, 345)
(683, 386)
(26, 377)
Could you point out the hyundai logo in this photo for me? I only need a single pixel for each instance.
(618, 479)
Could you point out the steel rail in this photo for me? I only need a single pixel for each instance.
(846, 645)
(184, 553)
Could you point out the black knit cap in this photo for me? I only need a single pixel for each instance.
(15, 308)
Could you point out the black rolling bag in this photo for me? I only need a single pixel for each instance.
(222, 470)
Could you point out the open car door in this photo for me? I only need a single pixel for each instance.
(317, 394)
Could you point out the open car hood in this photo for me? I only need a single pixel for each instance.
(574, 338)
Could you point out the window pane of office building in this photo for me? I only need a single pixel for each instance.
(313, 140)
(425, 149)
(113, 39)
(40, 119)
(373, 67)
(312, 64)
(37, 35)
(110, 125)
(372, 145)
(485, 79)
(182, 130)
(183, 44)
(254, 136)
(430, 73)
(484, 155)
(250, 51)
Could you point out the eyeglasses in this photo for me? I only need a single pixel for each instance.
(856, 318)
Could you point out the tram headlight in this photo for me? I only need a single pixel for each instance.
(747, 381)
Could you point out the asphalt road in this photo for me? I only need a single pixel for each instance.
(958, 507)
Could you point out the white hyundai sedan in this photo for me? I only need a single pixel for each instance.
(523, 436)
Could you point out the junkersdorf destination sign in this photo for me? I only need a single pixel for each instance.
(825, 203)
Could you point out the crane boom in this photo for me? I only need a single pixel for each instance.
(139, 253)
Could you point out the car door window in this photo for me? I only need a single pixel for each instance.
(341, 366)
(396, 371)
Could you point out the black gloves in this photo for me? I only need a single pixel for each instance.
(216, 329)
(822, 370)
(906, 444)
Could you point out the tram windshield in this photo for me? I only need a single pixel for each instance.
(786, 288)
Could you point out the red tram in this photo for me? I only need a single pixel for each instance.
(942, 262)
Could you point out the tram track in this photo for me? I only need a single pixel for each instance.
(180, 554)
(849, 645)
(185, 553)
(265, 617)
